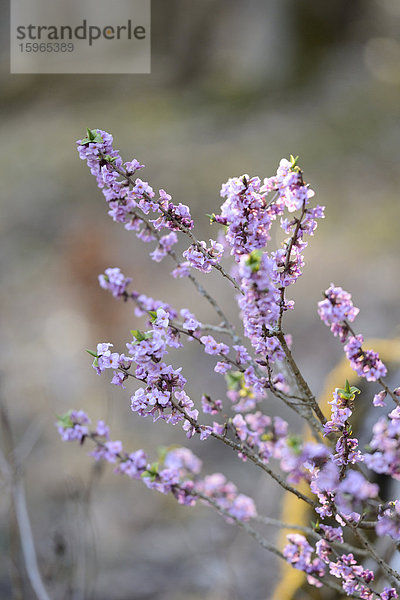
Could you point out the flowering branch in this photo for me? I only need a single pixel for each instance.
(329, 466)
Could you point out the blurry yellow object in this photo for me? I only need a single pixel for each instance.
(294, 510)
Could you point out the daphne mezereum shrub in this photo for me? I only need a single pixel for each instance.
(351, 548)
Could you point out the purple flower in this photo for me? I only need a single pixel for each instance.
(114, 281)
(242, 355)
(352, 490)
(133, 465)
(366, 363)
(102, 430)
(240, 427)
(202, 258)
(379, 399)
(119, 378)
(244, 211)
(182, 459)
(225, 493)
(182, 270)
(73, 426)
(389, 521)
(209, 406)
(222, 367)
(162, 319)
(165, 246)
(189, 320)
(332, 534)
(213, 347)
(389, 594)
(243, 508)
(337, 308)
(132, 166)
(298, 553)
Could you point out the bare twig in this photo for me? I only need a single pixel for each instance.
(21, 513)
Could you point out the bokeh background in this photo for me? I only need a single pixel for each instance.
(234, 87)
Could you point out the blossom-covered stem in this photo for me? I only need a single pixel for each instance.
(343, 546)
(364, 541)
(299, 378)
(242, 449)
(287, 261)
(200, 288)
(308, 531)
(196, 493)
(380, 380)
(179, 225)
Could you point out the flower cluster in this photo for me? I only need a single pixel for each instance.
(341, 493)
(294, 194)
(366, 363)
(355, 578)
(202, 258)
(299, 554)
(336, 311)
(164, 396)
(259, 305)
(245, 388)
(385, 446)
(266, 435)
(342, 408)
(114, 281)
(248, 214)
(323, 559)
(389, 521)
(225, 494)
(73, 426)
(165, 245)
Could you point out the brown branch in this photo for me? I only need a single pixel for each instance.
(299, 378)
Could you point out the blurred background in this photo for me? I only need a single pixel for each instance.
(234, 87)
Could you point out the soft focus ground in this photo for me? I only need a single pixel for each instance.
(318, 82)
